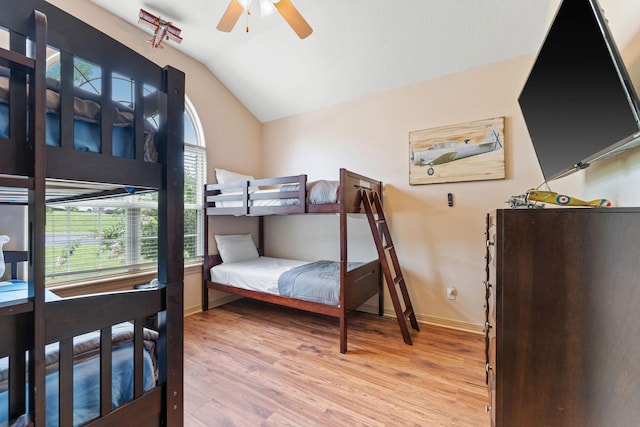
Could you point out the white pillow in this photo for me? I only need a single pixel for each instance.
(225, 177)
(236, 247)
(3, 240)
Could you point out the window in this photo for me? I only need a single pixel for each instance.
(87, 240)
(195, 169)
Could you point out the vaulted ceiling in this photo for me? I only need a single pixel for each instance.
(358, 47)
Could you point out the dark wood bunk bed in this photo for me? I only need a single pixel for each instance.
(356, 285)
(34, 172)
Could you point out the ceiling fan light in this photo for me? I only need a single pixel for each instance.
(267, 7)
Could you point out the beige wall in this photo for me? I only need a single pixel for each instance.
(438, 246)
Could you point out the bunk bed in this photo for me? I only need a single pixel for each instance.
(51, 153)
(355, 283)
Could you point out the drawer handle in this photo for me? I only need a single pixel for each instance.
(487, 367)
(487, 408)
(487, 284)
(490, 243)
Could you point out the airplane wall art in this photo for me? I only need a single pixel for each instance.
(469, 151)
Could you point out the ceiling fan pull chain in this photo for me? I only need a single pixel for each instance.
(248, 13)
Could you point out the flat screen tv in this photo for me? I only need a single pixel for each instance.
(578, 102)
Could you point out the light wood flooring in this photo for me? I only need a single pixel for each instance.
(252, 364)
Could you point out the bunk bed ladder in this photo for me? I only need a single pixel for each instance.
(392, 272)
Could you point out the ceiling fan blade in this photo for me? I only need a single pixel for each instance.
(293, 18)
(230, 17)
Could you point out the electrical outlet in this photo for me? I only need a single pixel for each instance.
(451, 293)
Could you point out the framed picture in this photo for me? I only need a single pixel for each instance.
(471, 151)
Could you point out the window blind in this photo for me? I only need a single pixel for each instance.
(195, 168)
(88, 240)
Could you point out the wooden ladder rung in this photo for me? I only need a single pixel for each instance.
(380, 221)
(388, 247)
(408, 313)
(397, 279)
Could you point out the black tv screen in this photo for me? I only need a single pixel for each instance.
(578, 102)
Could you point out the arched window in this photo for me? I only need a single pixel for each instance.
(90, 239)
(195, 171)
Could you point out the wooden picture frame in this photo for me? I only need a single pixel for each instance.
(471, 151)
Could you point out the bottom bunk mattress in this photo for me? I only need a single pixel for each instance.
(86, 370)
(317, 281)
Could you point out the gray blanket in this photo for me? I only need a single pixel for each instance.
(317, 281)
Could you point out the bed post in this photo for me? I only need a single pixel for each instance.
(171, 245)
(205, 257)
(343, 261)
(37, 212)
(261, 236)
(380, 274)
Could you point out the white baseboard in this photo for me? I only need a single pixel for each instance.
(429, 320)
(213, 302)
(188, 311)
(222, 299)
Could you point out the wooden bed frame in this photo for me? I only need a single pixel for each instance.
(29, 170)
(356, 286)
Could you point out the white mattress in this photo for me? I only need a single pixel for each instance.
(257, 275)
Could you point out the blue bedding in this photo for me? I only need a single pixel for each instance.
(317, 281)
(86, 124)
(86, 134)
(86, 380)
(86, 387)
(17, 289)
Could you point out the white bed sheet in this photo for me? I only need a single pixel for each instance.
(256, 275)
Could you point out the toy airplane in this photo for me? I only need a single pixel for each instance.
(163, 30)
(563, 200)
(532, 197)
(448, 151)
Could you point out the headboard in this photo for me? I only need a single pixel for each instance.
(13, 258)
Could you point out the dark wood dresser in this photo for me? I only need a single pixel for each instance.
(563, 317)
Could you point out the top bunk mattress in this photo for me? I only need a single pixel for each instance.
(318, 193)
(87, 114)
(243, 195)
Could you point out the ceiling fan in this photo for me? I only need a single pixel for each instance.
(284, 7)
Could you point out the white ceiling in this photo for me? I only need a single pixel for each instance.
(358, 47)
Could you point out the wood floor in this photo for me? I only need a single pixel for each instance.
(252, 364)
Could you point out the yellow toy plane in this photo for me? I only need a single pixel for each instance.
(561, 199)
